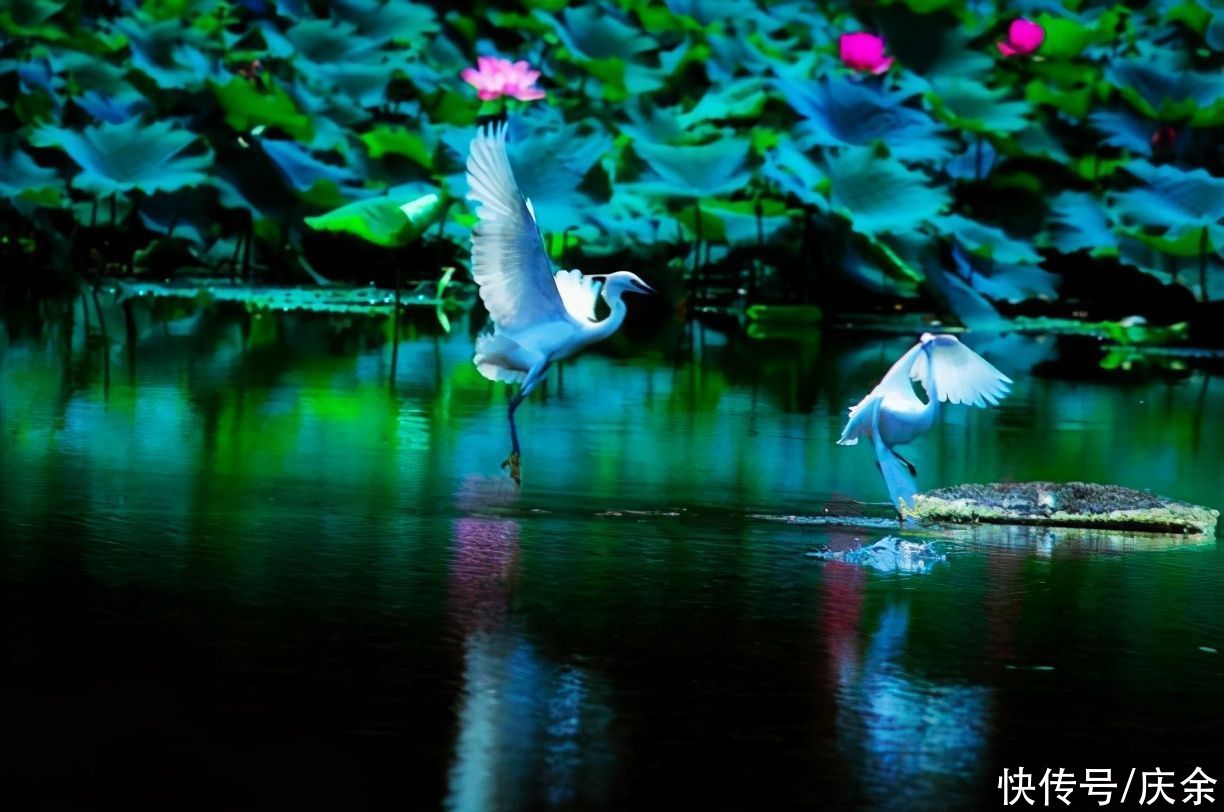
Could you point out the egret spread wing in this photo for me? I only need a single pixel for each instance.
(509, 262)
(894, 384)
(579, 293)
(959, 374)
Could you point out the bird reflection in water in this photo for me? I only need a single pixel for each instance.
(910, 739)
(531, 732)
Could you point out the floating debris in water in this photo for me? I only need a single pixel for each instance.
(1208, 650)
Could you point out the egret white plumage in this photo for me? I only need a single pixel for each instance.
(893, 414)
(539, 314)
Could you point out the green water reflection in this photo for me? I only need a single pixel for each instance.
(320, 577)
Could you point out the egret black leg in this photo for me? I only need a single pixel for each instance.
(512, 461)
(913, 471)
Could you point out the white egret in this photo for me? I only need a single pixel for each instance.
(893, 414)
(539, 314)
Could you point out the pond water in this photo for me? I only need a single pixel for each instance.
(241, 561)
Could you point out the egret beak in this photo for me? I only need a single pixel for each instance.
(642, 287)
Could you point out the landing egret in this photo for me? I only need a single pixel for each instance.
(539, 314)
(893, 414)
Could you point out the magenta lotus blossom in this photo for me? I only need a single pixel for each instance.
(1023, 38)
(501, 77)
(863, 51)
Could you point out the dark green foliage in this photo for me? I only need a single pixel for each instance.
(277, 136)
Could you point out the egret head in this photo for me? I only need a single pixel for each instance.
(622, 282)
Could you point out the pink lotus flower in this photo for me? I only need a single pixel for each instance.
(863, 51)
(501, 77)
(1023, 38)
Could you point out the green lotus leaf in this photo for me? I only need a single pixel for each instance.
(385, 221)
(129, 156)
(387, 139)
(33, 18)
(880, 195)
(246, 108)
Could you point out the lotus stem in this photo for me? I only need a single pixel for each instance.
(105, 341)
(246, 248)
(129, 323)
(395, 326)
(752, 273)
(1203, 263)
(697, 249)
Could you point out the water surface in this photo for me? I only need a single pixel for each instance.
(244, 564)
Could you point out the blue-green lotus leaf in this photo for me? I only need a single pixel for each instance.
(661, 125)
(795, 173)
(1170, 269)
(27, 185)
(738, 222)
(1215, 32)
(730, 54)
(326, 42)
(592, 32)
(1123, 130)
(550, 163)
(627, 222)
(737, 99)
(970, 105)
(398, 21)
(301, 170)
(1173, 200)
(1003, 280)
(841, 112)
(705, 170)
(975, 162)
(705, 12)
(91, 72)
(37, 74)
(173, 55)
(129, 156)
(986, 241)
(1159, 88)
(880, 195)
(870, 273)
(1078, 222)
(185, 214)
(932, 51)
(112, 108)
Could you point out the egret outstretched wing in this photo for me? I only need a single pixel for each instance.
(960, 374)
(894, 385)
(509, 262)
(579, 293)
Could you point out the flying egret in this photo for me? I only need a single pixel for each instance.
(539, 314)
(893, 414)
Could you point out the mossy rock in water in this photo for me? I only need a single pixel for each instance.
(1070, 504)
